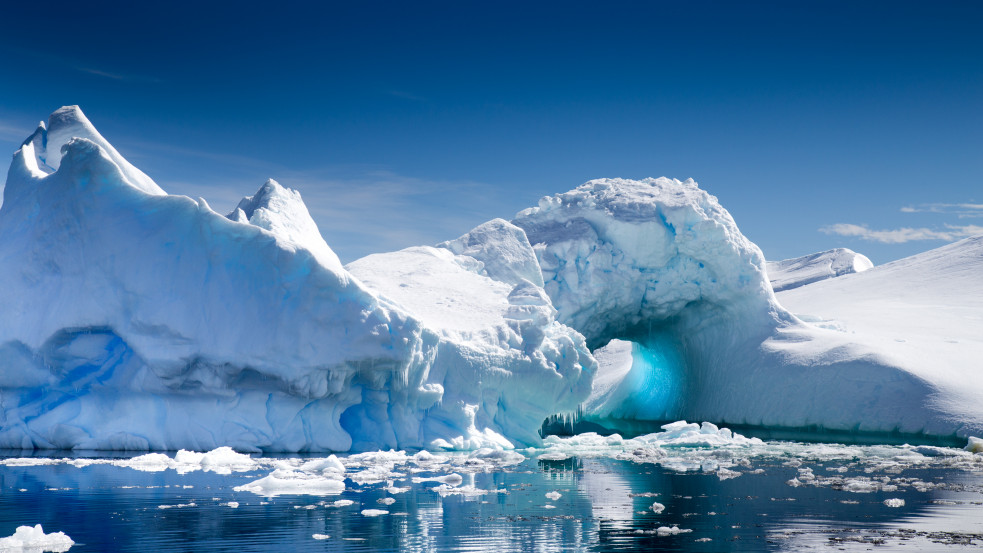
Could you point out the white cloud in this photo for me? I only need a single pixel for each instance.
(904, 234)
(13, 133)
(960, 209)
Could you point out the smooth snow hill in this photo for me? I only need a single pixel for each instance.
(923, 314)
(799, 271)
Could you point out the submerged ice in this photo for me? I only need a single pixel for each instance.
(137, 320)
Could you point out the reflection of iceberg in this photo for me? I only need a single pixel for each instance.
(609, 494)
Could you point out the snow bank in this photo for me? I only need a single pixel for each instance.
(799, 271)
(27, 538)
(135, 320)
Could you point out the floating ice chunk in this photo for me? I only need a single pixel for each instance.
(221, 460)
(553, 496)
(232, 504)
(386, 500)
(975, 445)
(328, 464)
(658, 507)
(26, 538)
(894, 502)
(342, 503)
(151, 462)
(671, 531)
(287, 482)
(374, 512)
(225, 460)
(320, 536)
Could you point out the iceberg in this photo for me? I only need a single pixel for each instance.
(136, 320)
(799, 271)
(677, 305)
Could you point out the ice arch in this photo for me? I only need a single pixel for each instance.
(660, 263)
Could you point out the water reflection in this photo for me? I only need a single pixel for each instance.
(595, 503)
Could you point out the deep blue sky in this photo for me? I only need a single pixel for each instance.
(410, 122)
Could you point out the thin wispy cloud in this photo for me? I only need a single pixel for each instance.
(10, 132)
(369, 211)
(904, 234)
(959, 209)
(122, 77)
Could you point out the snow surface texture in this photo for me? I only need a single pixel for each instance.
(921, 314)
(659, 263)
(799, 271)
(137, 320)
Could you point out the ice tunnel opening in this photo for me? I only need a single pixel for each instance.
(642, 383)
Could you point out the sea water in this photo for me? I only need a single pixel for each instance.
(596, 494)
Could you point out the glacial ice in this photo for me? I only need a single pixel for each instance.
(136, 320)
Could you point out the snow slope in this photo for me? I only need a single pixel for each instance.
(799, 271)
(137, 320)
(923, 314)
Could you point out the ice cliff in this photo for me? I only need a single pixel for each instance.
(137, 320)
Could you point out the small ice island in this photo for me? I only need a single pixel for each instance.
(137, 320)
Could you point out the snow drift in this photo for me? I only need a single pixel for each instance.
(799, 271)
(137, 320)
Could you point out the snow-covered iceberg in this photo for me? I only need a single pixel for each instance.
(657, 275)
(137, 320)
(799, 271)
(132, 319)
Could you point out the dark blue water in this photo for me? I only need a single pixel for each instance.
(605, 504)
